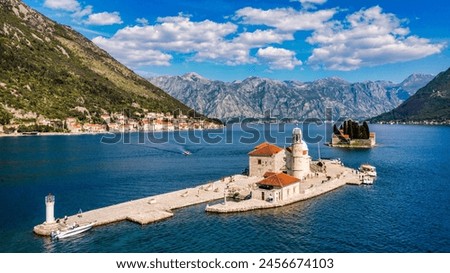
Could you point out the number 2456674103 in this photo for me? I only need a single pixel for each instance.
(296, 263)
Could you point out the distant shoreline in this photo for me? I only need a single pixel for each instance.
(106, 132)
(26, 134)
(50, 134)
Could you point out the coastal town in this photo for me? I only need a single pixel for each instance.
(31, 123)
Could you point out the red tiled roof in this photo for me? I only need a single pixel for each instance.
(265, 149)
(278, 180)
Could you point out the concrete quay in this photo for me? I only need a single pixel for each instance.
(150, 209)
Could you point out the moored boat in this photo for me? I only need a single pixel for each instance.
(71, 231)
(367, 180)
(368, 170)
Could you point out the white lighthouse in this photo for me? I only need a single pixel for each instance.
(50, 209)
(300, 159)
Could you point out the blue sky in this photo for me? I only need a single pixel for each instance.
(281, 39)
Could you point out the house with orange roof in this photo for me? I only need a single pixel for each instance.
(276, 187)
(264, 158)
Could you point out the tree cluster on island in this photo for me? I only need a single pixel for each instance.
(353, 129)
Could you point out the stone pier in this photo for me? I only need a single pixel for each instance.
(150, 209)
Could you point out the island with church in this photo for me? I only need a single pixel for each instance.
(276, 177)
(352, 135)
(286, 176)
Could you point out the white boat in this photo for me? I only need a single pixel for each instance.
(367, 180)
(368, 170)
(71, 231)
(187, 153)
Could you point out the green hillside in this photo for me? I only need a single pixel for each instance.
(430, 103)
(51, 71)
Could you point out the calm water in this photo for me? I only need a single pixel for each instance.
(406, 210)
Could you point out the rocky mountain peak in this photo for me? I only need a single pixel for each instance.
(415, 79)
(193, 76)
(331, 80)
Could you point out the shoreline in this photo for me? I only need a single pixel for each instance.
(159, 131)
(93, 133)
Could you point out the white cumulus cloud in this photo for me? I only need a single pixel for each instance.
(132, 55)
(317, 2)
(259, 38)
(78, 12)
(104, 18)
(142, 21)
(205, 40)
(285, 19)
(310, 4)
(278, 58)
(82, 12)
(368, 37)
(67, 5)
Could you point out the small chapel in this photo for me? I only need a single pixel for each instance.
(282, 170)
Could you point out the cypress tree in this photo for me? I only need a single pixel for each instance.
(355, 130)
(335, 130)
(350, 129)
(346, 127)
(366, 130)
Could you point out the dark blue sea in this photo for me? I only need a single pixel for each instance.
(406, 210)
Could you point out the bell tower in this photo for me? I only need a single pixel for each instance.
(300, 158)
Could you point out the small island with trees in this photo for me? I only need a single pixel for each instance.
(352, 135)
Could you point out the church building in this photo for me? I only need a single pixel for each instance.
(282, 169)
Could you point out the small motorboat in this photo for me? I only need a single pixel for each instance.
(367, 180)
(368, 170)
(186, 153)
(71, 231)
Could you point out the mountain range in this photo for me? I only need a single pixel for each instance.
(430, 103)
(253, 97)
(51, 71)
